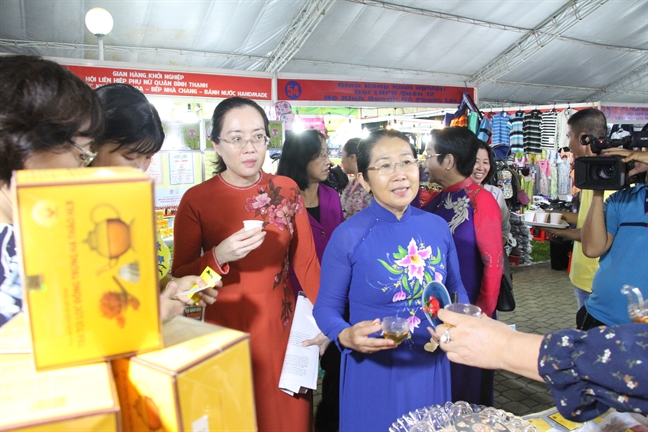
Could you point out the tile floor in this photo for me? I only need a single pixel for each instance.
(544, 302)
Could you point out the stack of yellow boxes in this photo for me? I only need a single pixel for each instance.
(86, 239)
(162, 223)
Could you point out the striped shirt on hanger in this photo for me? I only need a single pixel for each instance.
(548, 130)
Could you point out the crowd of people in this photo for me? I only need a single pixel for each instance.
(359, 254)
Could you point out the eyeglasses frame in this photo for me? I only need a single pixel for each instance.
(393, 165)
(86, 155)
(247, 141)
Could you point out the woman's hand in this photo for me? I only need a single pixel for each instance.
(173, 304)
(320, 340)
(204, 297)
(238, 245)
(357, 337)
(473, 341)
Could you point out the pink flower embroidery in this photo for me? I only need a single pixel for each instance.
(399, 296)
(256, 202)
(415, 261)
(438, 277)
(414, 322)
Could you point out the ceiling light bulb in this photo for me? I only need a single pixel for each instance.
(99, 21)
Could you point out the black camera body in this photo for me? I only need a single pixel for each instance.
(606, 172)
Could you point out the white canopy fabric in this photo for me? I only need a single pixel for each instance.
(514, 52)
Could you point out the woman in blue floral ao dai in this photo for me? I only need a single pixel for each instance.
(377, 264)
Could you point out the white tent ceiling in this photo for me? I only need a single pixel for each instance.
(515, 52)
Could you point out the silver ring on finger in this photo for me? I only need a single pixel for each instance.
(445, 337)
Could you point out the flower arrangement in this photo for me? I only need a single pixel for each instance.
(431, 306)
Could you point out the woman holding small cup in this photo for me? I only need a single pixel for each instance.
(375, 266)
(256, 296)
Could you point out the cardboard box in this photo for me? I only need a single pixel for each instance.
(89, 261)
(201, 381)
(14, 336)
(79, 398)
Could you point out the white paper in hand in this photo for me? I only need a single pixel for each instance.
(301, 364)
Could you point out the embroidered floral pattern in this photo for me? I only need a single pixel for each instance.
(278, 210)
(460, 208)
(415, 261)
(274, 208)
(281, 278)
(414, 268)
(604, 363)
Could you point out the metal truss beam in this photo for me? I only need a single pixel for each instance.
(440, 15)
(636, 82)
(565, 18)
(14, 43)
(484, 23)
(298, 33)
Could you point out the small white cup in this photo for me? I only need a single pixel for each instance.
(529, 215)
(251, 224)
(555, 218)
(542, 217)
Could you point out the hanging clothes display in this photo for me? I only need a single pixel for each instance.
(501, 128)
(531, 129)
(620, 131)
(548, 130)
(473, 122)
(517, 132)
(564, 180)
(544, 170)
(554, 160)
(485, 130)
(561, 128)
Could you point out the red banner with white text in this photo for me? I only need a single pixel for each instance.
(353, 91)
(152, 82)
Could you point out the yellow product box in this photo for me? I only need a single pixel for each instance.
(201, 381)
(89, 263)
(14, 336)
(78, 398)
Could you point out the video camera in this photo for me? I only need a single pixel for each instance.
(606, 172)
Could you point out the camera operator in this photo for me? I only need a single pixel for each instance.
(589, 121)
(616, 231)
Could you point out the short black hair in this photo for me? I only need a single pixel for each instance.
(131, 120)
(43, 106)
(589, 121)
(298, 151)
(351, 146)
(366, 145)
(492, 171)
(461, 143)
(217, 122)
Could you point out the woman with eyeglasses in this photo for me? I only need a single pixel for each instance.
(132, 135)
(305, 159)
(475, 222)
(376, 265)
(48, 119)
(256, 296)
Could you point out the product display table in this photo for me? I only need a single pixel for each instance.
(463, 417)
(460, 417)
